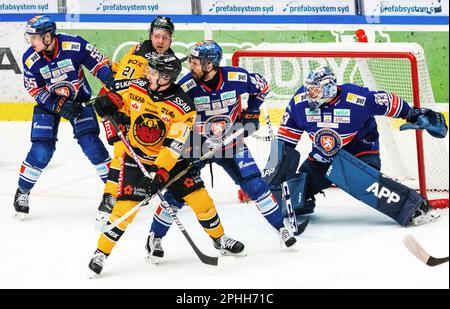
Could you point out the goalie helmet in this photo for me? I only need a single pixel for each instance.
(41, 25)
(207, 51)
(162, 22)
(168, 65)
(320, 86)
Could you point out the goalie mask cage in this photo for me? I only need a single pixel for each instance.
(412, 157)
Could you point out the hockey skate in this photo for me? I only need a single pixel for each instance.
(96, 264)
(153, 249)
(104, 211)
(229, 246)
(286, 238)
(21, 205)
(424, 214)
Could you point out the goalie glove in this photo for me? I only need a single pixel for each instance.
(158, 178)
(424, 118)
(107, 105)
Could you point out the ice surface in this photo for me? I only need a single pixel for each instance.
(346, 245)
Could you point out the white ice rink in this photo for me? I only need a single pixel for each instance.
(346, 245)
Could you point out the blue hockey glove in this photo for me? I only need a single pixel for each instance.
(250, 121)
(424, 118)
(69, 109)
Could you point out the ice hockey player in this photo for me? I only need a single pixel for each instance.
(161, 116)
(216, 92)
(54, 77)
(339, 119)
(131, 66)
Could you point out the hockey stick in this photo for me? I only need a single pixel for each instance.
(203, 257)
(418, 251)
(146, 201)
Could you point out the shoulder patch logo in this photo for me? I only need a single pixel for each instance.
(71, 46)
(355, 99)
(301, 97)
(188, 85)
(237, 76)
(32, 59)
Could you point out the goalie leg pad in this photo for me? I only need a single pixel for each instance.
(368, 185)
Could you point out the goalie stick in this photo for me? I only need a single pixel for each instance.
(418, 251)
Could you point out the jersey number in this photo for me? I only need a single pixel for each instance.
(128, 72)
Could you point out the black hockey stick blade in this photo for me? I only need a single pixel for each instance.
(209, 260)
(432, 261)
(419, 252)
(302, 226)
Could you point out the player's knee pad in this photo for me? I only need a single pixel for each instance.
(368, 185)
(41, 153)
(120, 209)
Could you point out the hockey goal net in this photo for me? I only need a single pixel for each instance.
(411, 157)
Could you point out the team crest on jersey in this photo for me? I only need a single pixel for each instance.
(149, 130)
(217, 126)
(328, 141)
(237, 76)
(64, 88)
(355, 99)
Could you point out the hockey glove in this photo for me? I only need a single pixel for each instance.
(158, 178)
(250, 121)
(107, 105)
(68, 109)
(424, 118)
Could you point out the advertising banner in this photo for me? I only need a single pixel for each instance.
(406, 8)
(28, 6)
(278, 7)
(135, 7)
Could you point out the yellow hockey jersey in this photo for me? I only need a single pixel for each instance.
(160, 122)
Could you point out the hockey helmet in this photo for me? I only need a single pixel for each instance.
(162, 22)
(320, 86)
(41, 24)
(207, 51)
(168, 65)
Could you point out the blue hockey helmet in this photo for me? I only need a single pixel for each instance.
(320, 86)
(41, 24)
(207, 51)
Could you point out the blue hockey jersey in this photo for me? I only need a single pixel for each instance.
(218, 109)
(48, 80)
(347, 122)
